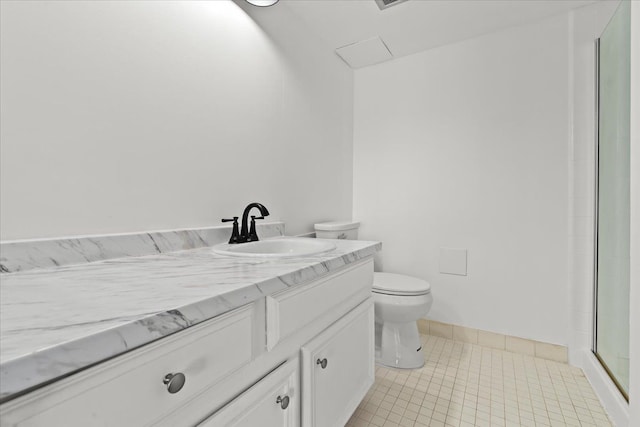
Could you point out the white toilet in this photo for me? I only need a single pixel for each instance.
(399, 302)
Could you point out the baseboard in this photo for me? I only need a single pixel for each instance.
(510, 343)
(616, 407)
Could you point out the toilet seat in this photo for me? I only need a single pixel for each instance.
(399, 284)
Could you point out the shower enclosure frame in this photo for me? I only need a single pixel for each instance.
(594, 348)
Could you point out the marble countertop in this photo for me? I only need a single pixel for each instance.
(56, 321)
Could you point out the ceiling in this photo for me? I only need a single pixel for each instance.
(416, 25)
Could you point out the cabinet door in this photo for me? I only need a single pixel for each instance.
(338, 369)
(274, 401)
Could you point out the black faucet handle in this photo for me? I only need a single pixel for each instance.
(235, 233)
(253, 235)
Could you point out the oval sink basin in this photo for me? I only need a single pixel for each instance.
(287, 247)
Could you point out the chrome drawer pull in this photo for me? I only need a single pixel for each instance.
(174, 382)
(322, 363)
(283, 401)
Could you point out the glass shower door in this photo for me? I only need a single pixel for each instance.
(611, 341)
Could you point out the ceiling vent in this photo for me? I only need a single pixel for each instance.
(366, 52)
(383, 4)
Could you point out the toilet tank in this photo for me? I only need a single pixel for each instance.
(337, 230)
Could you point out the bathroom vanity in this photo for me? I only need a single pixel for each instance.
(278, 342)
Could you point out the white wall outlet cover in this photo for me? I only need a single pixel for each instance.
(453, 261)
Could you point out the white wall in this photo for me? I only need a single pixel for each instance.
(466, 146)
(128, 116)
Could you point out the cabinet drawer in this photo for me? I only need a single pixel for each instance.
(129, 390)
(274, 401)
(338, 369)
(290, 310)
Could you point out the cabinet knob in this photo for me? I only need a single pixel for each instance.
(283, 401)
(322, 363)
(174, 382)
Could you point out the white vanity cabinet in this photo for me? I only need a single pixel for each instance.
(338, 369)
(299, 357)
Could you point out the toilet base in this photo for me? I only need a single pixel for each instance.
(398, 345)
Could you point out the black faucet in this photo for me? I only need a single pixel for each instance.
(246, 234)
(249, 235)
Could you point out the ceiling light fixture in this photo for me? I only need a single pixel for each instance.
(262, 3)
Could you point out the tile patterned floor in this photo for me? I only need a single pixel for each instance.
(466, 385)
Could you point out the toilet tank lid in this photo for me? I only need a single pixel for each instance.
(399, 284)
(337, 225)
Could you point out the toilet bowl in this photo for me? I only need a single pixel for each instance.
(399, 301)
